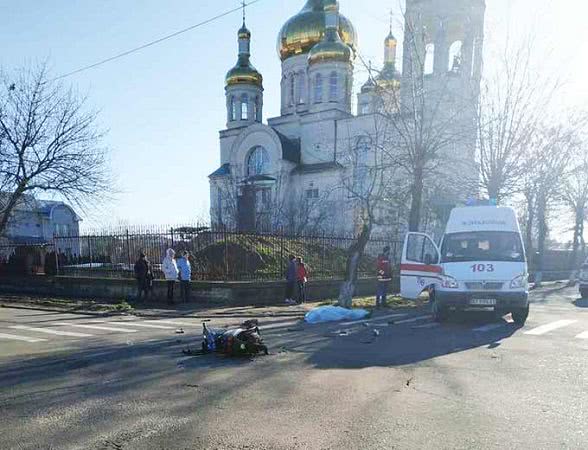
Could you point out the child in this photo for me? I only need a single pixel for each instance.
(301, 279)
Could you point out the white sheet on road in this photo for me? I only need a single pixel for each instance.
(334, 314)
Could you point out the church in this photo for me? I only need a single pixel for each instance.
(300, 171)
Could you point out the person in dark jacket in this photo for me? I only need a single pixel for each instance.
(291, 275)
(384, 269)
(144, 276)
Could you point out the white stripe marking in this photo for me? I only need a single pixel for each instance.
(428, 325)
(489, 327)
(144, 325)
(50, 331)
(374, 319)
(550, 327)
(20, 338)
(95, 327)
(583, 335)
(172, 322)
(412, 319)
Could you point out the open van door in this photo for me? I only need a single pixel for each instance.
(419, 266)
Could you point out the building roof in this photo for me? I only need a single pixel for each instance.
(28, 203)
(222, 171)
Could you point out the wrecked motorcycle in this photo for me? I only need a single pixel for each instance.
(243, 341)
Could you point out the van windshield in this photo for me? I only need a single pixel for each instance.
(482, 246)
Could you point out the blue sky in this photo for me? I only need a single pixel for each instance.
(163, 106)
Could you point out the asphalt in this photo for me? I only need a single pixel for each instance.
(392, 382)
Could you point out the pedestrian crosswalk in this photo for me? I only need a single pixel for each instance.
(81, 328)
(77, 328)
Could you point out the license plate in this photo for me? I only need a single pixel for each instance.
(483, 301)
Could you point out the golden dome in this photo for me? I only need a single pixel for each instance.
(307, 28)
(330, 50)
(243, 73)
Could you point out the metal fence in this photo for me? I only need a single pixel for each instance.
(215, 255)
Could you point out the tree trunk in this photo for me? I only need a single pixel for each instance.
(574, 263)
(7, 211)
(416, 203)
(529, 228)
(354, 255)
(541, 238)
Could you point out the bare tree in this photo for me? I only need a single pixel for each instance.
(49, 142)
(368, 182)
(575, 196)
(553, 146)
(514, 97)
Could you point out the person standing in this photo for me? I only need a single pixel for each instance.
(170, 271)
(301, 279)
(384, 277)
(143, 275)
(185, 271)
(290, 280)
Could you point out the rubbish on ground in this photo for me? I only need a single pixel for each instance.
(334, 314)
(409, 381)
(376, 332)
(366, 324)
(180, 331)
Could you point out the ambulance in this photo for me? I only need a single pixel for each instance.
(479, 264)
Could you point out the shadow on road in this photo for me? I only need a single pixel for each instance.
(408, 343)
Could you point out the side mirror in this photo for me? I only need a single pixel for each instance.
(428, 259)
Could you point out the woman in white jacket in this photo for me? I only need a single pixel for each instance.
(170, 271)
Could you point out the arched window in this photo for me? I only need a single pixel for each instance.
(292, 90)
(429, 64)
(232, 109)
(244, 107)
(454, 63)
(318, 88)
(333, 88)
(300, 85)
(257, 161)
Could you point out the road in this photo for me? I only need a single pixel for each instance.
(72, 381)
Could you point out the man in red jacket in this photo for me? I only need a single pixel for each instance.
(384, 277)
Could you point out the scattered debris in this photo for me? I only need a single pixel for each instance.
(366, 324)
(180, 331)
(409, 381)
(180, 365)
(192, 385)
(376, 332)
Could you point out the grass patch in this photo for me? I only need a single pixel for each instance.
(70, 304)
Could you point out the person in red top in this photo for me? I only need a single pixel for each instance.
(384, 277)
(301, 279)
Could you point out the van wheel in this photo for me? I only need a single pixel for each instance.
(520, 315)
(440, 313)
(584, 293)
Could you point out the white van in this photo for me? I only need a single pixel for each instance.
(479, 264)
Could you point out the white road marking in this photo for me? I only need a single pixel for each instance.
(95, 327)
(173, 322)
(428, 325)
(15, 337)
(550, 327)
(374, 319)
(50, 331)
(137, 324)
(412, 319)
(583, 335)
(489, 327)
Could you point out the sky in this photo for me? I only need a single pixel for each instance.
(163, 106)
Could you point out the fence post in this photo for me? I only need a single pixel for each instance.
(56, 255)
(128, 249)
(172, 237)
(282, 269)
(226, 258)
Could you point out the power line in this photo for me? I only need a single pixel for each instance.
(157, 41)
